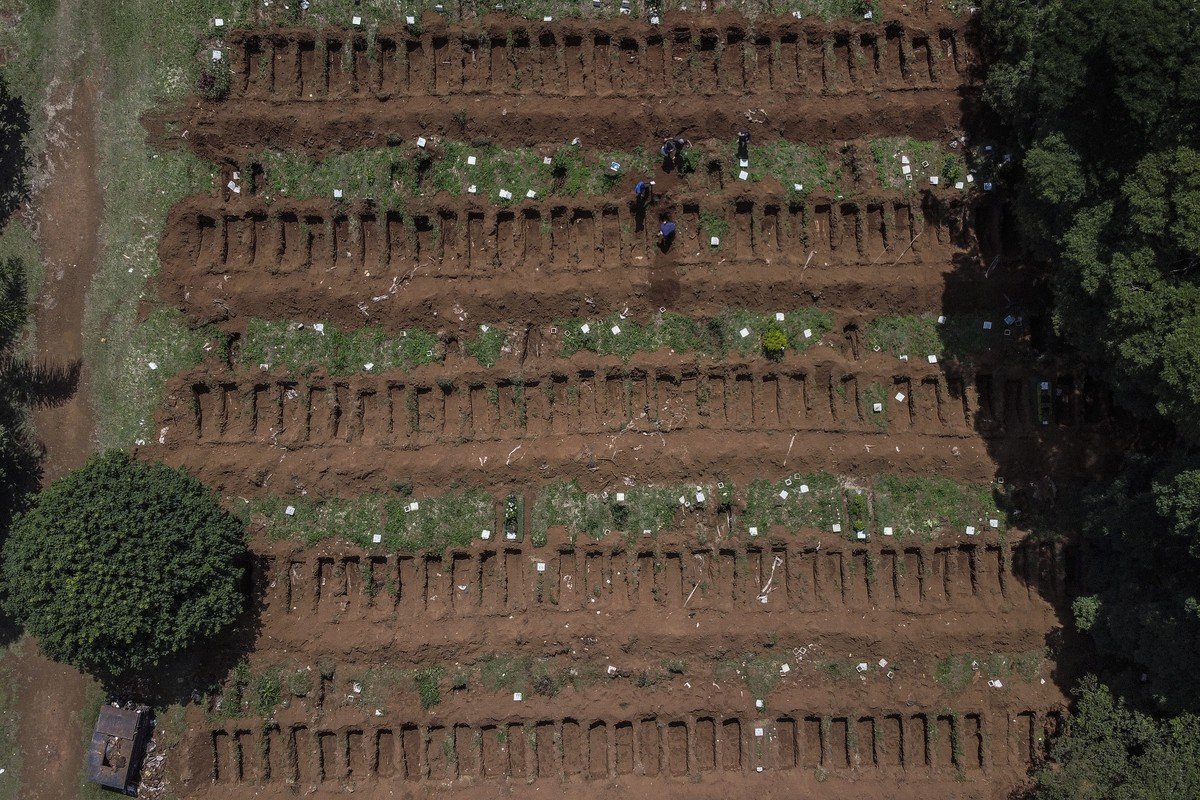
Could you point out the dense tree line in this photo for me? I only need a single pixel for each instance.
(1101, 99)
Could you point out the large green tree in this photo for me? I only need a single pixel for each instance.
(1117, 753)
(121, 564)
(1101, 100)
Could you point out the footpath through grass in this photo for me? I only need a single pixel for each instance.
(148, 52)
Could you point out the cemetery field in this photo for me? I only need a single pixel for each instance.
(539, 504)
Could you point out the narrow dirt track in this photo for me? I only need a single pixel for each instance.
(69, 209)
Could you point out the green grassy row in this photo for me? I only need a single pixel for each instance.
(959, 336)
(957, 672)
(712, 337)
(339, 13)
(923, 507)
(393, 175)
(302, 347)
(454, 519)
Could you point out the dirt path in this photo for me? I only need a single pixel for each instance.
(69, 208)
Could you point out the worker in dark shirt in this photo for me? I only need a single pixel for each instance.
(743, 148)
(672, 150)
(643, 192)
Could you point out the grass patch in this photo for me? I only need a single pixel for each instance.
(454, 519)
(874, 395)
(631, 511)
(148, 51)
(517, 674)
(957, 672)
(921, 335)
(930, 505)
(788, 163)
(127, 394)
(427, 683)
(298, 346)
(316, 519)
(10, 748)
(820, 507)
(759, 673)
(487, 346)
(712, 337)
(17, 243)
(926, 159)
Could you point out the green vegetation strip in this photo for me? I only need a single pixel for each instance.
(713, 337)
(305, 346)
(339, 13)
(957, 336)
(888, 505)
(393, 175)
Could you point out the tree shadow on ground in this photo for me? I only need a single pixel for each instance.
(14, 177)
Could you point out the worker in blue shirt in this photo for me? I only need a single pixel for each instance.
(643, 192)
(666, 233)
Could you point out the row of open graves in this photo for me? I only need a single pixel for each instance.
(577, 237)
(950, 744)
(376, 410)
(768, 577)
(566, 59)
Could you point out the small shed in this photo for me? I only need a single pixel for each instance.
(117, 744)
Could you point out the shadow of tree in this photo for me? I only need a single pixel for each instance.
(14, 126)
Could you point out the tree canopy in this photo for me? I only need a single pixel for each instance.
(1100, 101)
(121, 564)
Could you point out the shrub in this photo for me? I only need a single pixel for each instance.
(1086, 610)
(120, 564)
(774, 341)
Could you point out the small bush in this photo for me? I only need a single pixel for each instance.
(1086, 611)
(774, 341)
